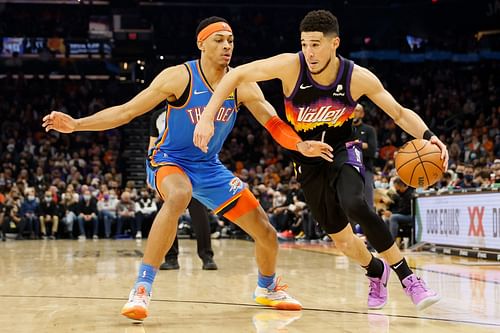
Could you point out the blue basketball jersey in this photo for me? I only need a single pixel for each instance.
(175, 143)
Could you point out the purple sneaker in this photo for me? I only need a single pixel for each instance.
(377, 296)
(420, 295)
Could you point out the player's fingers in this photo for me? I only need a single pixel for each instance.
(197, 140)
(326, 157)
(443, 150)
(327, 146)
(445, 164)
(202, 142)
(328, 153)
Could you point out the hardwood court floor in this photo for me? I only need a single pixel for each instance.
(72, 286)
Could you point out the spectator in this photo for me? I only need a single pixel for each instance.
(70, 206)
(146, 210)
(106, 207)
(15, 218)
(126, 215)
(49, 213)
(130, 187)
(401, 208)
(87, 214)
(29, 215)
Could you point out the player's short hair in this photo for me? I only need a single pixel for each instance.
(206, 22)
(320, 20)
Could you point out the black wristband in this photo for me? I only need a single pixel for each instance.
(428, 134)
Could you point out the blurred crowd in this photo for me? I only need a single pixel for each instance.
(74, 186)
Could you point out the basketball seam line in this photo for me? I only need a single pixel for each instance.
(436, 165)
(411, 152)
(421, 162)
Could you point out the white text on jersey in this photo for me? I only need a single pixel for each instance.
(223, 115)
(321, 115)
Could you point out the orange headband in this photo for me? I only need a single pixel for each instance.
(211, 28)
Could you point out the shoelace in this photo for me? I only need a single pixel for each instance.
(278, 286)
(141, 295)
(374, 287)
(416, 284)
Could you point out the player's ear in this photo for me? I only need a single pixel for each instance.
(335, 42)
(200, 46)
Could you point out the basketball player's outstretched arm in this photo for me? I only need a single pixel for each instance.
(366, 83)
(166, 85)
(277, 67)
(252, 97)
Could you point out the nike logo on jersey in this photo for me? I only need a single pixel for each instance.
(196, 92)
(305, 87)
(323, 114)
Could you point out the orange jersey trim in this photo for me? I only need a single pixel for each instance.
(227, 203)
(164, 171)
(246, 203)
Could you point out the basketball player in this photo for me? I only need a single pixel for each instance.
(321, 90)
(198, 212)
(181, 171)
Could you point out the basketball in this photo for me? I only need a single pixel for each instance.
(419, 164)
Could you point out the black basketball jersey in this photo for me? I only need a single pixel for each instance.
(319, 112)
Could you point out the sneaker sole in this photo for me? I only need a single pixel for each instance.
(278, 305)
(135, 313)
(169, 268)
(210, 267)
(377, 307)
(428, 302)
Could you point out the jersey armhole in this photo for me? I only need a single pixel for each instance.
(299, 79)
(236, 103)
(185, 94)
(348, 74)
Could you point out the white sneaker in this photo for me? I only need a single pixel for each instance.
(82, 238)
(95, 237)
(138, 235)
(137, 306)
(276, 298)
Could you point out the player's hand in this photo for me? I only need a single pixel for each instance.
(203, 132)
(444, 151)
(59, 121)
(312, 148)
